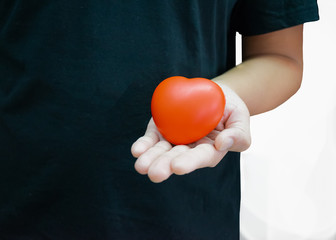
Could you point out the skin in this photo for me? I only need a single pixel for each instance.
(270, 73)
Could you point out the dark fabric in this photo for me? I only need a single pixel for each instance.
(262, 16)
(76, 79)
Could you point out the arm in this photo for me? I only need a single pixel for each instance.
(271, 72)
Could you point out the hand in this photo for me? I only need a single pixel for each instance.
(159, 159)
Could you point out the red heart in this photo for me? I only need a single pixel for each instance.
(185, 110)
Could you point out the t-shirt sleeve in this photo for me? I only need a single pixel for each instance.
(253, 17)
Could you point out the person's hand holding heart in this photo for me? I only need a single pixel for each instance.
(194, 127)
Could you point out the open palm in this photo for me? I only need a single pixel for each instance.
(159, 159)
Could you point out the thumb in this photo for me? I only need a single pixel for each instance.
(233, 139)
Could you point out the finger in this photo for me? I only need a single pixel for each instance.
(203, 155)
(145, 142)
(213, 135)
(160, 169)
(236, 136)
(233, 139)
(220, 126)
(147, 158)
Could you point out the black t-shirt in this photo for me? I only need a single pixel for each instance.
(76, 79)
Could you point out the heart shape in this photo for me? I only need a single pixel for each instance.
(186, 110)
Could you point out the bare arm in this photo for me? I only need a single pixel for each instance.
(271, 70)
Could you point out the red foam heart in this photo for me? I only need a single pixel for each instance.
(185, 110)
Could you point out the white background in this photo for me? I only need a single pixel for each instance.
(289, 172)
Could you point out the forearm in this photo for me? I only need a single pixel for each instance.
(264, 82)
(271, 71)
